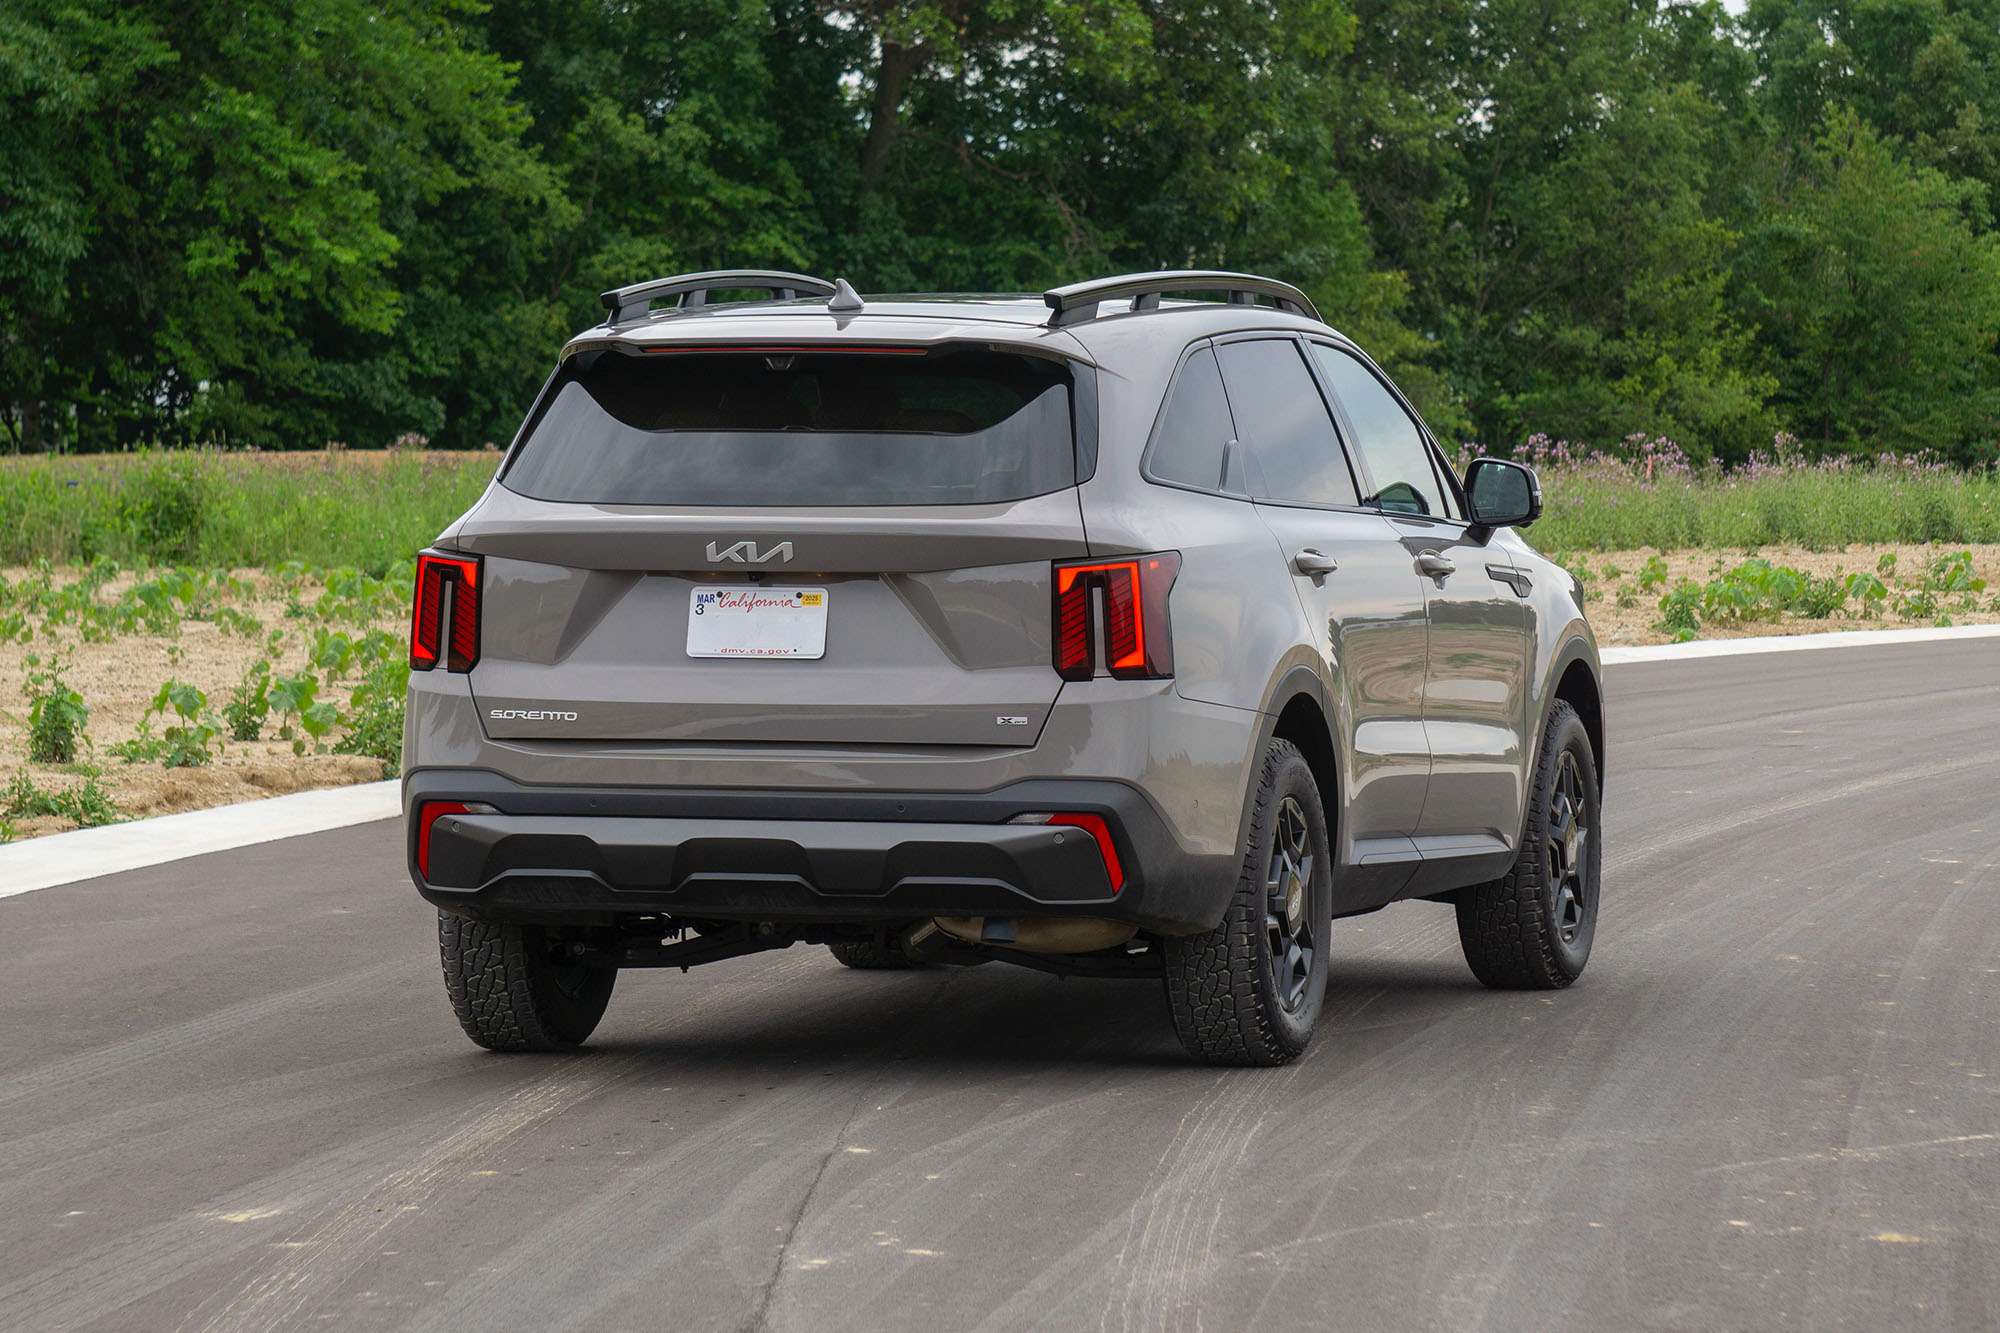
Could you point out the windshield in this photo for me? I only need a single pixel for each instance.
(783, 428)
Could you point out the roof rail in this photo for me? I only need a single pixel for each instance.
(629, 304)
(1078, 301)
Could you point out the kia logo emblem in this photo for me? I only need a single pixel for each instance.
(746, 553)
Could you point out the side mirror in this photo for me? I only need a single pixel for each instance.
(1502, 493)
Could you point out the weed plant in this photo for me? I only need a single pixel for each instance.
(1758, 590)
(88, 804)
(57, 714)
(249, 703)
(375, 715)
(186, 740)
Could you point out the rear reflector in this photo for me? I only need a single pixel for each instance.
(443, 579)
(1137, 639)
(428, 814)
(1099, 831)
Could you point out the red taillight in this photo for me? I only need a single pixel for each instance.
(1095, 826)
(433, 639)
(1136, 638)
(428, 814)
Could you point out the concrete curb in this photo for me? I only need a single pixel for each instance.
(1793, 643)
(63, 858)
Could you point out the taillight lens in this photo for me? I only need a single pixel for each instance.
(1137, 639)
(444, 621)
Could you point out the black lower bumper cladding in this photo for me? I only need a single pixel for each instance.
(578, 856)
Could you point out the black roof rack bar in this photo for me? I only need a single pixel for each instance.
(628, 304)
(1078, 301)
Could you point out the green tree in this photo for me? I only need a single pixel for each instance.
(1876, 289)
(1924, 72)
(212, 203)
(1540, 170)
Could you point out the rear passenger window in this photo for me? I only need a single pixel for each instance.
(1390, 443)
(1188, 448)
(1291, 452)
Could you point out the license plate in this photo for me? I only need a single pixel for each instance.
(757, 622)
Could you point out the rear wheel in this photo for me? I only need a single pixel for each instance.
(1248, 992)
(1531, 929)
(516, 988)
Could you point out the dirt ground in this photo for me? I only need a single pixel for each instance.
(118, 680)
(1633, 624)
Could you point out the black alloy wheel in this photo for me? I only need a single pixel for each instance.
(1569, 849)
(1287, 907)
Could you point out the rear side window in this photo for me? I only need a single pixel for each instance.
(1291, 451)
(1397, 457)
(948, 426)
(1194, 428)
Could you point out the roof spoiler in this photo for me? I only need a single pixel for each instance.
(630, 304)
(1078, 301)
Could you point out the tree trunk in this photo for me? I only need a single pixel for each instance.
(899, 62)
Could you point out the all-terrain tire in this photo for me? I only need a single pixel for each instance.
(1531, 929)
(869, 955)
(1235, 999)
(514, 989)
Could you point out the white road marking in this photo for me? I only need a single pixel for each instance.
(64, 858)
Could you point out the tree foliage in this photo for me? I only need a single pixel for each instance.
(284, 224)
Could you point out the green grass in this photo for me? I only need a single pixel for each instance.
(368, 511)
(233, 510)
(1607, 504)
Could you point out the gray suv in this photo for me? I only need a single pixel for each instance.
(1129, 632)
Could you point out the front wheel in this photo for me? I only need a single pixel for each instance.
(1531, 929)
(1248, 992)
(516, 988)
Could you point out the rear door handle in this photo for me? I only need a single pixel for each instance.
(1314, 563)
(1432, 565)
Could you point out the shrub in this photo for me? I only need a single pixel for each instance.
(165, 507)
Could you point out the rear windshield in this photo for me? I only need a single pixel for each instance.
(948, 426)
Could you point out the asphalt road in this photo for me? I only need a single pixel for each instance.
(232, 1094)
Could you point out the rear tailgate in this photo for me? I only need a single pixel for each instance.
(935, 617)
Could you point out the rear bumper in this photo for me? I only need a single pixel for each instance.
(592, 856)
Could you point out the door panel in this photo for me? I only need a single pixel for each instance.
(1359, 594)
(1475, 691)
